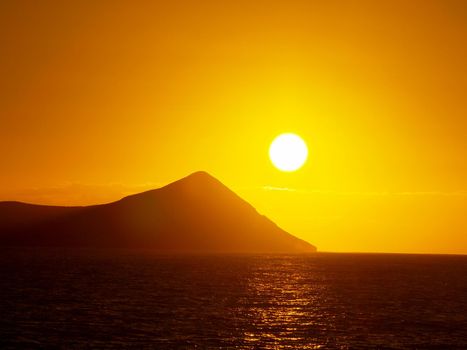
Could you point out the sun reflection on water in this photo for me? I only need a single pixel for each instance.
(285, 306)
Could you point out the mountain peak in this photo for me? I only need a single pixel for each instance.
(201, 173)
(199, 176)
(198, 181)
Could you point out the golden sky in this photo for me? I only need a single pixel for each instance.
(99, 99)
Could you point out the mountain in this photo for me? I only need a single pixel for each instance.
(194, 214)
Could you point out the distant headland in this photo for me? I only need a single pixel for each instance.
(196, 214)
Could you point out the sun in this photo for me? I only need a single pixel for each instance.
(288, 152)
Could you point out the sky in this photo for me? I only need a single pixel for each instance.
(100, 99)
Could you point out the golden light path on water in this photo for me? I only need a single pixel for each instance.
(286, 299)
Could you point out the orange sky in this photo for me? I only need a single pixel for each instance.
(99, 99)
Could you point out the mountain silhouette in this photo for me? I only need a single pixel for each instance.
(194, 214)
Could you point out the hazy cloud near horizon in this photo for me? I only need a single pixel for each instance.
(75, 193)
(365, 193)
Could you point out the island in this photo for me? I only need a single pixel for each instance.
(196, 214)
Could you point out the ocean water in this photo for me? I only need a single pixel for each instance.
(67, 299)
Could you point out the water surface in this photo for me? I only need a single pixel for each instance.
(53, 298)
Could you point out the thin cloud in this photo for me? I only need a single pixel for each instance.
(75, 193)
(274, 188)
(364, 193)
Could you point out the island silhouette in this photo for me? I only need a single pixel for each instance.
(195, 214)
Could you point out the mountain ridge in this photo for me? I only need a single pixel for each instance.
(193, 214)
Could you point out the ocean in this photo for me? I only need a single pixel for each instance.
(81, 299)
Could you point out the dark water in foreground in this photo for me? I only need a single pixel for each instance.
(82, 299)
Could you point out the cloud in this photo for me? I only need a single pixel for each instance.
(274, 188)
(76, 193)
(364, 193)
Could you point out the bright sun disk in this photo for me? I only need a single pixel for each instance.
(288, 152)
